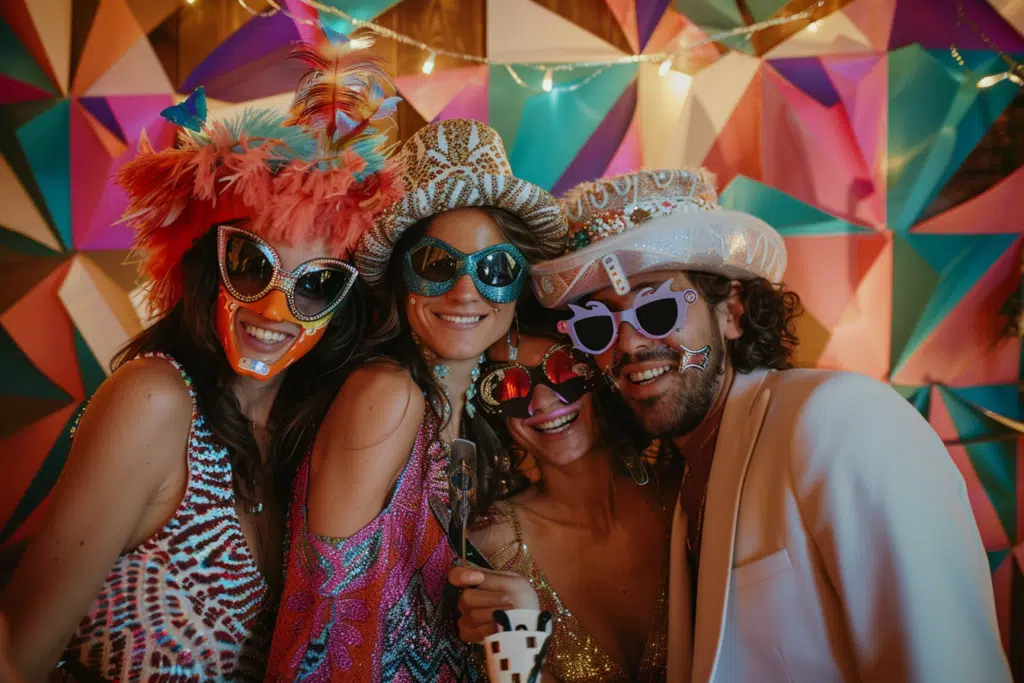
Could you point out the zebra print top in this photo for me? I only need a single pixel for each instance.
(189, 604)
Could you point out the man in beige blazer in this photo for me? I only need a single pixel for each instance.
(822, 532)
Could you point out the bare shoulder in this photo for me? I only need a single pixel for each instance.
(148, 392)
(362, 447)
(377, 402)
(138, 420)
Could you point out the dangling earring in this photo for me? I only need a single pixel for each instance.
(412, 301)
(442, 371)
(513, 350)
(474, 375)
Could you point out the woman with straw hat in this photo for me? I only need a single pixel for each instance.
(365, 595)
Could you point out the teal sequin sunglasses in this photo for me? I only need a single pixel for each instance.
(432, 268)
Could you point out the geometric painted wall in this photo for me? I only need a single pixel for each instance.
(894, 179)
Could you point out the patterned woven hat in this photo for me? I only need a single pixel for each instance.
(653, 220)
(453, 164)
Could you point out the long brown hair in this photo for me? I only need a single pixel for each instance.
(187, 334)
(393, 325)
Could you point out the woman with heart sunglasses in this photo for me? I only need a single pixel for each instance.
(574, 441)
(162, 556)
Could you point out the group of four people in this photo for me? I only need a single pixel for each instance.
(261, 489)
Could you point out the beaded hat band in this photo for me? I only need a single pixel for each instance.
(653, 220)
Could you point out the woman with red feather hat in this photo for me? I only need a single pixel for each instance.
(165, 530)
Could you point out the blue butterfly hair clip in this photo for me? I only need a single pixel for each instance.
(189, 114)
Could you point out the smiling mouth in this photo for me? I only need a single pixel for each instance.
(648, 376)
(262, 337)
(559, 424)
(460, 319)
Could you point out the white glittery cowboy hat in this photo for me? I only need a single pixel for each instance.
(653, 220)
(452, 164)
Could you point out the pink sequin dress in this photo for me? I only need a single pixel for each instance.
(373, 607)
(190, 603)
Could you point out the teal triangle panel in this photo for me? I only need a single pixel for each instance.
(18, 64)
(919, 397)
(46, 143)
(999, 398)
(915, 281)
(995, 462)
(710, 15)
(362, 10)
(996, 558)
(44, 480)
(791, 217)
(762, 10)
(555, 124)
(505, 103)
(937, 115)
(15, 241)
(90, 369)
(971, 257)
(20, 377)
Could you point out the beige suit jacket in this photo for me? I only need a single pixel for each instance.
(838, 545)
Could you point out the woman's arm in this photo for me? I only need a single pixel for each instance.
(129, 453)
(361, 449)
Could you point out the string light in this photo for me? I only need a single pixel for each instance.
(813, 27)
(989, 81)
(1015, 72)
(599, 66)
(428, 63)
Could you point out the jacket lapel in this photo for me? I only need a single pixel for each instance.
(741, 425)
(680, 624)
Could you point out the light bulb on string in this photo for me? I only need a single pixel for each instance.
(547, 84)
(428, 64)
(989, 81)
(813, 27)
(666, 66)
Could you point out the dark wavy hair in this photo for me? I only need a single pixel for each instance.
(616, 424)
(768, 321)
(187, 334)
(394, 340)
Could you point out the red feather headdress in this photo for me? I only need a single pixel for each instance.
(322, 171)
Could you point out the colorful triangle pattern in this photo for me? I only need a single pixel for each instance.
(848, 135)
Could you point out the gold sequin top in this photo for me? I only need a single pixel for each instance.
(574, 656)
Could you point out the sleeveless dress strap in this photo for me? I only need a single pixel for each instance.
(512, 554)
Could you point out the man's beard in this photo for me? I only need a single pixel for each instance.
(681, 407)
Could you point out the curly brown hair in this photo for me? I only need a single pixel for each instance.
(768, 321)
